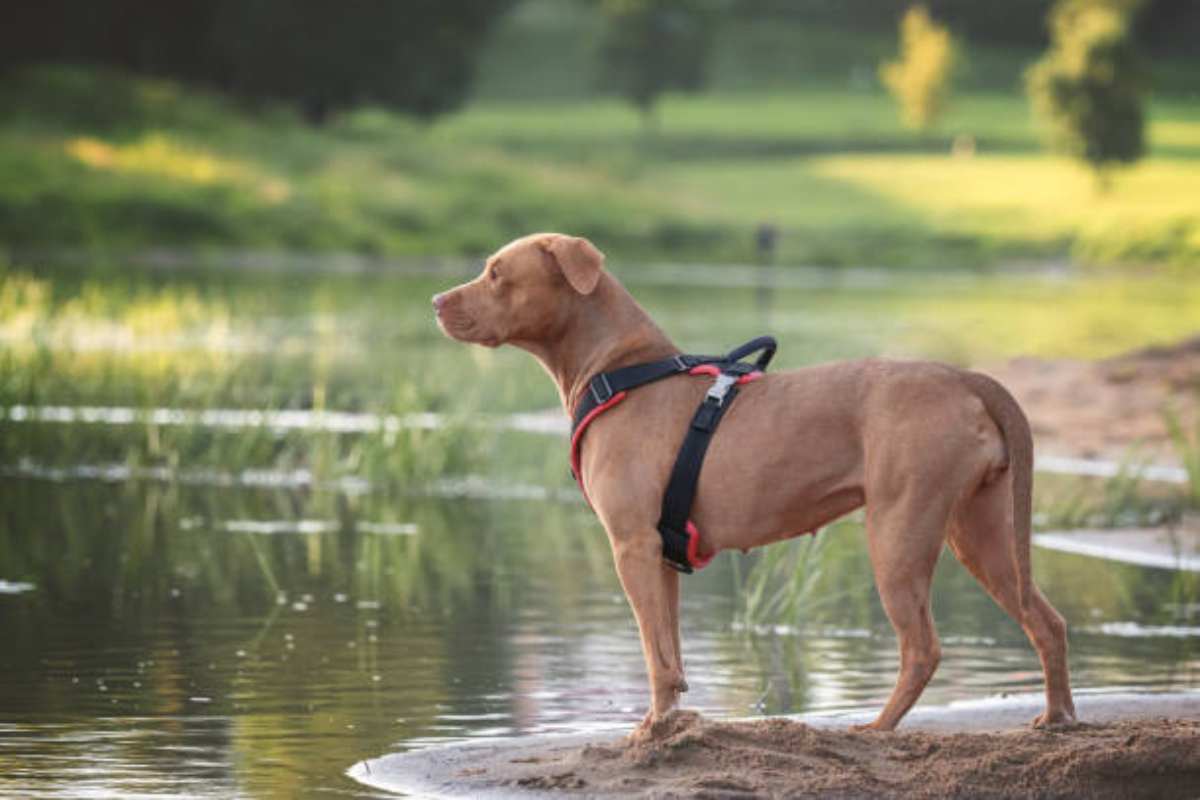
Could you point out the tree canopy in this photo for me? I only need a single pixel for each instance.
(415, 55)
(1089, 85)
(652, 46)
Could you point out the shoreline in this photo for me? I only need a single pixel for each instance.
(816, 754)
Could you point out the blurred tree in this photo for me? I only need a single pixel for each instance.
(920, 78)
(1163, 26)
(140, 35)
(651, 46)
(1010, 22)
(415, 55)
(1089, 86)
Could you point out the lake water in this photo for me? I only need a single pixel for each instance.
(205, 612)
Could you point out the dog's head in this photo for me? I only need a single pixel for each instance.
(527, 291)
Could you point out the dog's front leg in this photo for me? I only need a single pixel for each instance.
(672, 580)
(653, 591)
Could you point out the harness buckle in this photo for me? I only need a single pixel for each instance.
(685, 569)
(720, 388)
(601, 389)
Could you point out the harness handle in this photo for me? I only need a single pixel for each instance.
(765, 343)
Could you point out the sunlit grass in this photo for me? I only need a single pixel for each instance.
(341, 344)
(830, 165)
(156, 155)
(1034, 198)
(153, 325)
(260, 342)
(721, 125)
(847, 184)
(1089, 319)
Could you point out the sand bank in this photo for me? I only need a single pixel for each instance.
(1128, 745)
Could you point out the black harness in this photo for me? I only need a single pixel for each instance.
(680, 537)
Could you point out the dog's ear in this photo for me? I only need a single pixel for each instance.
(579, 260)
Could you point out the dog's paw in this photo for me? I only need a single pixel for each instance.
(1058, 718)
(876, 726)
(639, 735)
(649, 728)
(660, 726)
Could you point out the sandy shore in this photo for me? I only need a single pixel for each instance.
(1102, 409)
(1127, 746)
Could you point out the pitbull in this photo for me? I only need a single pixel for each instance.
(936, 454)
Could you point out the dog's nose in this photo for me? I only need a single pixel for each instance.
(438, 301)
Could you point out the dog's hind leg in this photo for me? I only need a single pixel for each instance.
(981, 538)
(904, 542)
(653, 592)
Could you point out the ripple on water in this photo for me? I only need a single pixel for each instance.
(1135, 630)
(117, 757)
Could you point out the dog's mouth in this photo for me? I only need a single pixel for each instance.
(464, 329)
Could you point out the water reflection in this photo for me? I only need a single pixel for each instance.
(250, 610)
(163, 651)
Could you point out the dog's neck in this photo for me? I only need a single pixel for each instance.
(609, 330)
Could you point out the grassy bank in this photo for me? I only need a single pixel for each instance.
(793, 132)
(367, 343)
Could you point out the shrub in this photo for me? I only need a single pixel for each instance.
(416, 56)
(651, 46)
(920, 78)
(1089, 86)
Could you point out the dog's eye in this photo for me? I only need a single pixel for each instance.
(493, 274)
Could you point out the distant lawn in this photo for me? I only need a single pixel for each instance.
(846, 184)
(113, 165)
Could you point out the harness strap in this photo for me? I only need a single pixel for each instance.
(603, 387)
(680, 537)
(680, 543)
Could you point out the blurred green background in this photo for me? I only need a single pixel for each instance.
(237, 556)
(663, 130)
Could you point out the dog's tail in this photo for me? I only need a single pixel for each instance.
(1018, 441)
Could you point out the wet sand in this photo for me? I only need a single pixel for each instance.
(1101, 409)
(1127, 746)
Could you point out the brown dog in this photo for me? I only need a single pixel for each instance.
(936, 454)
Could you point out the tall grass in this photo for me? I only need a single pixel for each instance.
(136, 343)
(780, 586)
(1125, 500)
(1187, 447)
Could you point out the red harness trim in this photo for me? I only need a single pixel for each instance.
(693, 548)
(576, 467)
(714, 371)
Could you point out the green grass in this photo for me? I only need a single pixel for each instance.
(1186, 440)
(158, 341)
(197, 339)
(793, 129)
(176, 168)
(847, 185)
